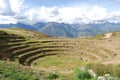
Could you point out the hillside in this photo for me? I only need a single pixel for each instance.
(58, 29)
(14, 71)
(61, 55)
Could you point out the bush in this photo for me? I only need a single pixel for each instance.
(83, 74)
(52, 76)
(101, 69)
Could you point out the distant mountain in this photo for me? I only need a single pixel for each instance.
(18, 25)
(6, 25)
(59, 29)
(68, 30)
(24, 26)
(39, 25)
(85, 30)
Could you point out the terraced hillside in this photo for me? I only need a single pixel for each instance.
(19, 45)
(57, 54)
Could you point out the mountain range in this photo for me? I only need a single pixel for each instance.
(67, 30)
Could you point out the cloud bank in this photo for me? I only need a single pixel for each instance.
(13, 11)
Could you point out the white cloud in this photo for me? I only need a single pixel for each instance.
(67, 14)
(14, 10)
(117, 13)
(48, 12)
(31, 16)
(16, 5)
(73, 14)
(11, 11)
(2, 4)
(114, 17)
(97, 13)
(6, 20)
(5, 8)
(44, 14)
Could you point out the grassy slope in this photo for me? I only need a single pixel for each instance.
(70, 53)
(83, 52)
(14, 71)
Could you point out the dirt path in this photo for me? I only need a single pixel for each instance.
(112, 62)
(108, 35)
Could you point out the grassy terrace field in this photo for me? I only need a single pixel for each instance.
(59, 55)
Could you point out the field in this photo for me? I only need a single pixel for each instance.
(60, 56)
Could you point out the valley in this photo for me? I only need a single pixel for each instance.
(60, 55)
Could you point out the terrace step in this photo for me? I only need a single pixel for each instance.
(10, 44)
(24, 57)
(17, 40)
(30, 60)
(24, 50)
(17, 47)
(11, 37)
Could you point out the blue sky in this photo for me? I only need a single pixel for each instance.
(62, 3)
(50, 3)
(68, 11)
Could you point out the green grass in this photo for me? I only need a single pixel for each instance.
(102, 69)
(98, 36)
(83, 74)
(60, 63)
(70, 54)
(13, 71)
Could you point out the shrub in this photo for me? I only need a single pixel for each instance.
(102, 69)
(52, 76)
(83, 74)
(99, 36)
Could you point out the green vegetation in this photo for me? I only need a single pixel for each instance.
(83, 74)
(13, 71)
(98, 36)
(59, 63)
(58, 58)
(52, 76)
(101, 69)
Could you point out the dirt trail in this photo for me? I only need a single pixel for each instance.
(112, 62)
(108, 35)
